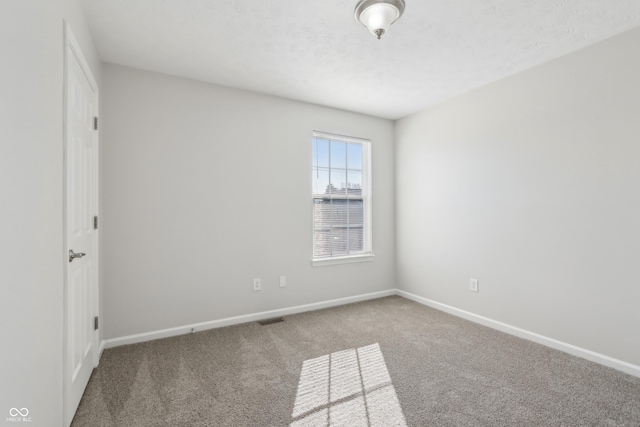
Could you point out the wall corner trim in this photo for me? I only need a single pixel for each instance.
(583, 353)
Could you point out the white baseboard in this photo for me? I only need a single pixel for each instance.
(601, 359)
(165, 333)
(485, 321)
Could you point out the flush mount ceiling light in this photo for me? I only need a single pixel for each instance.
(378, 15)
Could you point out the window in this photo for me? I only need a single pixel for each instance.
(341, 199)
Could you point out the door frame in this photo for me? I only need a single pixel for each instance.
(72, 50)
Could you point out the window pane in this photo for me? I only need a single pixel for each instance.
(321, 214)
(322, 228)
(338, 182)
(322, 243)
(320, 180)
(339, 212)
(339, 241)
(354, 156)
(321, 153)
(338, 154)
(354, 183)
(356, 240)
(356, 213)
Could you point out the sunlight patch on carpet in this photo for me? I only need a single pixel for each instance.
(347, 388)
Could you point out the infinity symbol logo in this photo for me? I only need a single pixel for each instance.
(14, 412)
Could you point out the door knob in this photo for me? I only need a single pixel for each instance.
(73, 255)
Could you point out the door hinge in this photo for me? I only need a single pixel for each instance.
(95, 123)
(95, 222)
(95, 323)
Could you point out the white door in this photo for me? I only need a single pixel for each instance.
(81, 260)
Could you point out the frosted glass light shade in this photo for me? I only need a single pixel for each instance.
(378, 15)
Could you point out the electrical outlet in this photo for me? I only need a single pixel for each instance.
(257, 285)
(283, 281)
(473, 285)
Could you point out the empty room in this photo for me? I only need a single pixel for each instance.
(320, 213)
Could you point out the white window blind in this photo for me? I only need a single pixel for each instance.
(341, 196)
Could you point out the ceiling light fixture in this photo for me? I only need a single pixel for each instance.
(378, 15)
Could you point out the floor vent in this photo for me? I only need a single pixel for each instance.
(270, 321)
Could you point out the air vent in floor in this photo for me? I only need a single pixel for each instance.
(270, 321)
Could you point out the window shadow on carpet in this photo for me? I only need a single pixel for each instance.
(349, 387)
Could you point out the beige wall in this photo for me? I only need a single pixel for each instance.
(207, 187)
(531, 186)
(31, 185)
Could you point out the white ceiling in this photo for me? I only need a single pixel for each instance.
(315, 51)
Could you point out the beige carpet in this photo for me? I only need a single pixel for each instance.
(384, 362)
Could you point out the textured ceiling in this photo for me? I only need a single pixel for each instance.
(315, 51)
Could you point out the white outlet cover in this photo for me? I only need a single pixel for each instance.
(257, 285)
(473, 285)
(283, 281)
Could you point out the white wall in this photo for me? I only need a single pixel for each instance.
(31, 185)
(531, 185)
(207, 187)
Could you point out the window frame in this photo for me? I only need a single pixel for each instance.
(367, 253)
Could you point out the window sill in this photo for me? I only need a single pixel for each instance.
(318, 262)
